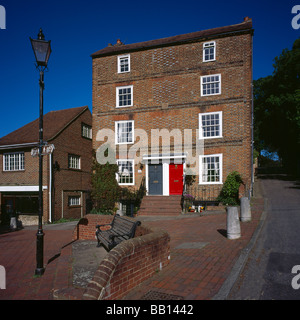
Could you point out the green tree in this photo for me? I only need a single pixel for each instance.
(105, 188)
(277, 108)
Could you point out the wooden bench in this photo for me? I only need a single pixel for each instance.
(120, 229)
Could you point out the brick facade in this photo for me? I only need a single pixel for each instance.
(166, 79)
(65, 182)
(72, 182)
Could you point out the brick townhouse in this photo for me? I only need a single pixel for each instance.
(66, 172)
(156, 96)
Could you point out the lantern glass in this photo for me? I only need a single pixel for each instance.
(42, 51)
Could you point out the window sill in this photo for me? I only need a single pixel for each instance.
(209, 183)
(120, 143)
(87, 138)
(209, 95)
(209, 138)
(213, 60)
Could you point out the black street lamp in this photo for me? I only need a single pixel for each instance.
(42, 51)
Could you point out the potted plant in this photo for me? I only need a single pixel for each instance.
(188, 202)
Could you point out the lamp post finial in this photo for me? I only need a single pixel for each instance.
(41, 35)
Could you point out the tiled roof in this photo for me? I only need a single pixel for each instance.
(118, 48)
(53, 123)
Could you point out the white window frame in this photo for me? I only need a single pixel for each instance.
(86, 131)
(220, 155)
(118, 176)
(13, 156)
(118, 96)
(74, 162)
(208, 45)
(74, 201)
(126, 56)
(201, 131)
(117, 132)
(212, 82)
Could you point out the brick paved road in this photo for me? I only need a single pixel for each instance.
(201, 258)
(18, 256)
(198, 273)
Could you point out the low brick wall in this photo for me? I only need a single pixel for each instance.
(86, 227)
(28, 220)
(125, 266)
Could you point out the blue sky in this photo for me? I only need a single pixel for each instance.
(79, 28)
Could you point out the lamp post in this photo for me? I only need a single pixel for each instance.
(42, 51)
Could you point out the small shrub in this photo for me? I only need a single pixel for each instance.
(188, 201)
(229, 194)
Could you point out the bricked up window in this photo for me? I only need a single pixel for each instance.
(210, 125)
(74, 201)
(209, 51)
(124, 132)
(210, 169)
(124, 64)
(14, 161)
(124, 96)
(74, 162)
(211, 85)
(126, 172)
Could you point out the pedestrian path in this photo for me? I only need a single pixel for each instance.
(18, 256)
(201, 259)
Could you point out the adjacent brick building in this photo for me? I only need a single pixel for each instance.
(196, 85)
(66, 172)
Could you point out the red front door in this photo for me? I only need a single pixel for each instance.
(175, 178)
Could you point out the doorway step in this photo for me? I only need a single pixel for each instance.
(161, 205)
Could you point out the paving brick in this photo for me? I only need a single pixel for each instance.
(192, 273)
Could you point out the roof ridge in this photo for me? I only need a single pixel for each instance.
(66, 109)
(110, 49)
(74, 118)
(195, 32)
(28, 133)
